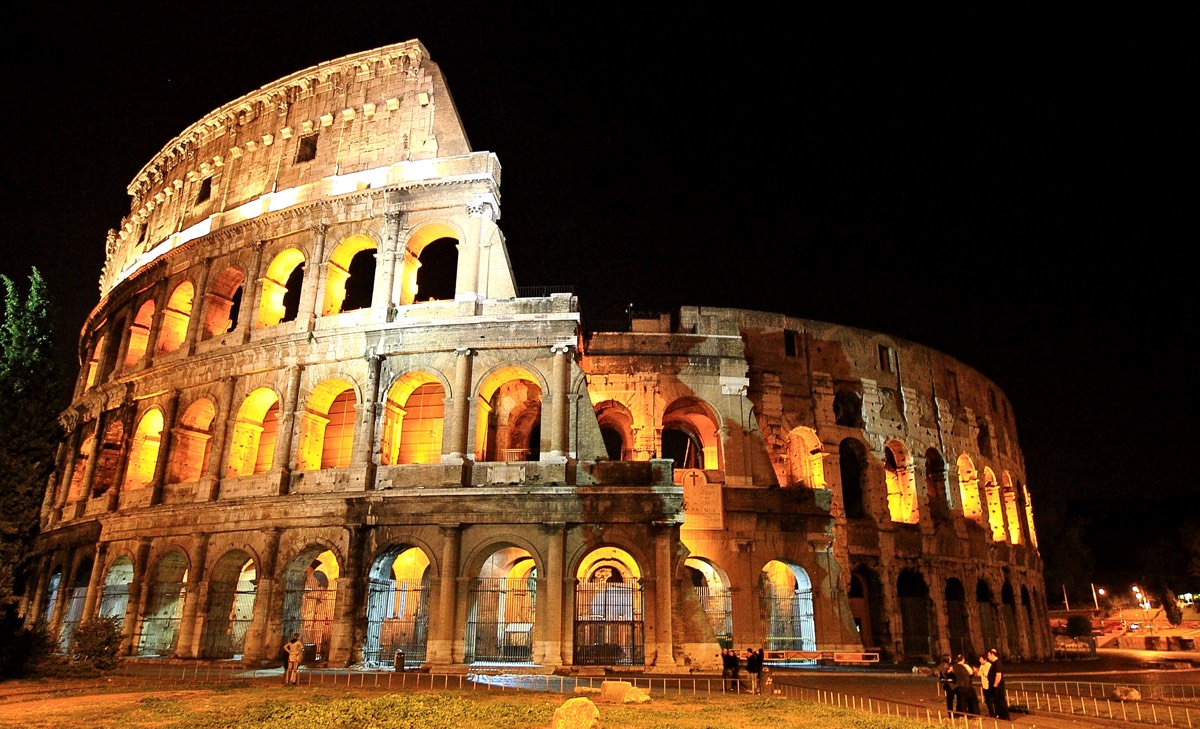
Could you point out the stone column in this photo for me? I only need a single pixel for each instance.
(348, 599)
(89, 469)
(95, 582)
(258, 638)
(458, 405)
(664, 627)
(251, 290)
(193, 327)
(364, 435)
(135, 606)
(160, 305)
(68, 472)
(382, 298)
(130, 417)
(221, 433)
(466, 285)
(283, 460)
(191, 623)
(164, 448)
(60, 602)
(559, 417)
(555, 609)
(441, 640)
(312, 294)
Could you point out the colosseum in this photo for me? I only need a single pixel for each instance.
(312, 399)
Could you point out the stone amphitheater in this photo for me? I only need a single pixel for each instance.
(313, 400)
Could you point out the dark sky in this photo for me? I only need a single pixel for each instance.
(1009, 190)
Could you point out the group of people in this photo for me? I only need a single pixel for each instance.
(731, 662)
(956, 681)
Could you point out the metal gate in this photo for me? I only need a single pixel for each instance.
(113, 602)
(609, 628)
(160, 627)
(1010, 629)
(987, 624)
(500, 624)
(309, 612)
(914, 616)
(960, 628)
(72, 615)
(717, 604)
(788, 621)
(229, 612)
(397, 620)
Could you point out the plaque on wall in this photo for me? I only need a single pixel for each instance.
(702, 506)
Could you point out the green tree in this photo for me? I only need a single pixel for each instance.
(32, 394)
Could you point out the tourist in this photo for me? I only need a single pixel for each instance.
(984, 669)
(945, 676)
(754, 662)
(295, 654)
(997, 683)
(964, 692)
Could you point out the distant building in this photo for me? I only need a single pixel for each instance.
(314, 400)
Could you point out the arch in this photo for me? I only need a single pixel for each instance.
(397, 607)
(279, 300)
(968, 489)
(252, 447)
(110, 448)
(232, 588)
(76, 600)
(502, 608)
(689, 434)
(350, 275)
(716, 599)
(223, 303)
(609, 618)
(956, 618)
(143, 451)
(52, 589)
(191, 443)
(847, 408)
(940, 498)
(508, 423)
(164, 606)
(414, 418)
(93, 365)
(327, 426)
(431, 266)
(866, 606)
(114, 595)
(309, 594)
(1028, 514)
(786, 603)
(172, 329)
(901, 491)
(805, 459)
(852, 465)
(995, 509)
(139, 333)
(913, 595)
(1008, 614)
(1012, 509)
(616, 429)
(986, 607)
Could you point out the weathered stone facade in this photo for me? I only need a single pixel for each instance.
(287, 423)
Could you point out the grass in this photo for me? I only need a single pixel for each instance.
(278, 707)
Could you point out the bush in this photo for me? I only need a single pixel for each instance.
(1079, 625)
(97, 643)
(28, 648)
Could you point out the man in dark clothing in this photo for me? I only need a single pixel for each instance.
(729, 668)
(945, 677)
(996, 680)
(964, 692)
(754, 661)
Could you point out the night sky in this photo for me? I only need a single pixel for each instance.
(1008, 190)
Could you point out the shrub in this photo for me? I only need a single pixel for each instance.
(1079, 625)
(97, 643)
(28, 647)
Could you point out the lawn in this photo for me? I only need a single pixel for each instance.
(271, 707)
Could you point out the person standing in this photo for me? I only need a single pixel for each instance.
(754, 661)
(964, 692)
(295, 654)
(999, 699)
(985, 667)
(945, 677)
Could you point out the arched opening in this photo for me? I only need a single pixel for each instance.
(280, 289)
(786, 603)
(913, 596)
(987, 613)
(111, 352)
(609, 622)
(192, 441)
(114, 596)
(252, 447)
(174, 325)
(852, 466)
(995, 510)
(901, 492)
(82, 454)
(502, 609)
(139, 334)
(164, 606)
(327, 427)
(143, 452)
(350, 276)
(1012, 510)
(52, 586)
(716, 600)
(956, 618)
(689, 435)
(397, 608)
(616, 428)
(847, 408)
(93, 365)
(509, 417)
(413, 420)
(1008, 613)
(866, 607)
(223, 303)
(437, 272)
(76, 598)
(309, 593)
(968, 489)
(1024, 490)
(805, 464)
(940, 501)
(232, 587)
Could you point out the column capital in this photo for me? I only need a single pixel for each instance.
(562, 347)
(483, 206)
(464, 351)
